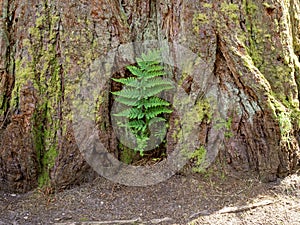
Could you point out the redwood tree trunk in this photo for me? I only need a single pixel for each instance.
(250, 49)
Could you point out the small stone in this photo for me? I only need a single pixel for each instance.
(25, 217)
(13, 195)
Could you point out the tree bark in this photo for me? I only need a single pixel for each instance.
(250, 48)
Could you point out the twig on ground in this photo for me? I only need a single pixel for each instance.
(138, 220)
(236, 209)
(200, 213)
(156, 221)
(294, 207)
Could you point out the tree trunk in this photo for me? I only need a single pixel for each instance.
(250, 49)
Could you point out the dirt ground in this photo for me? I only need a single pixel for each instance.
(183, 199)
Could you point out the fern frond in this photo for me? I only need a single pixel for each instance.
(159, 134)
(126, 81)
(128, 93)
(131, 113)
(122, 124)
(151, 56)
(127, 101)
(139, 94)
(156, 82)
(153, 112)
(156, 120)
(154, 74)
(155, 90)
(142, 64)
(136, 71)
(124, 113)
(138, 125)
(155, 68)
(130, 82)
(153, 102)
(149, 65)
(136, 113)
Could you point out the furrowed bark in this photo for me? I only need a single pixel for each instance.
(250, 55)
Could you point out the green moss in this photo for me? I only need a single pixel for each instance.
(52, 83)
(286, 126)
(43, 69)
(229, 7)
(268, 6)
(48, 162)
(199, 18)
(276, 70)
(23, 74)
(261, 48)
(295, 118)
(43, 179)
(254, 33)
(231, 10)
(199, 157)
(127, 155)
(286, 112)
(50, 156)
(268, 36)
(201, 112)
(203, 109)
(98, 119)
(284, 117)
(175, 129)
(226, 126)
(207, 5)
(249, 7)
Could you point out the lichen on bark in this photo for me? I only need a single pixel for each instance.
(262, 59)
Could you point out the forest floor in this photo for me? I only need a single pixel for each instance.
(183, 199)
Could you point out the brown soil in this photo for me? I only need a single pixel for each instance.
(183, 199)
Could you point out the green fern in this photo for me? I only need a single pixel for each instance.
(139, 95)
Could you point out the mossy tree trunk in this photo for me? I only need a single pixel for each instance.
(251, 49)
